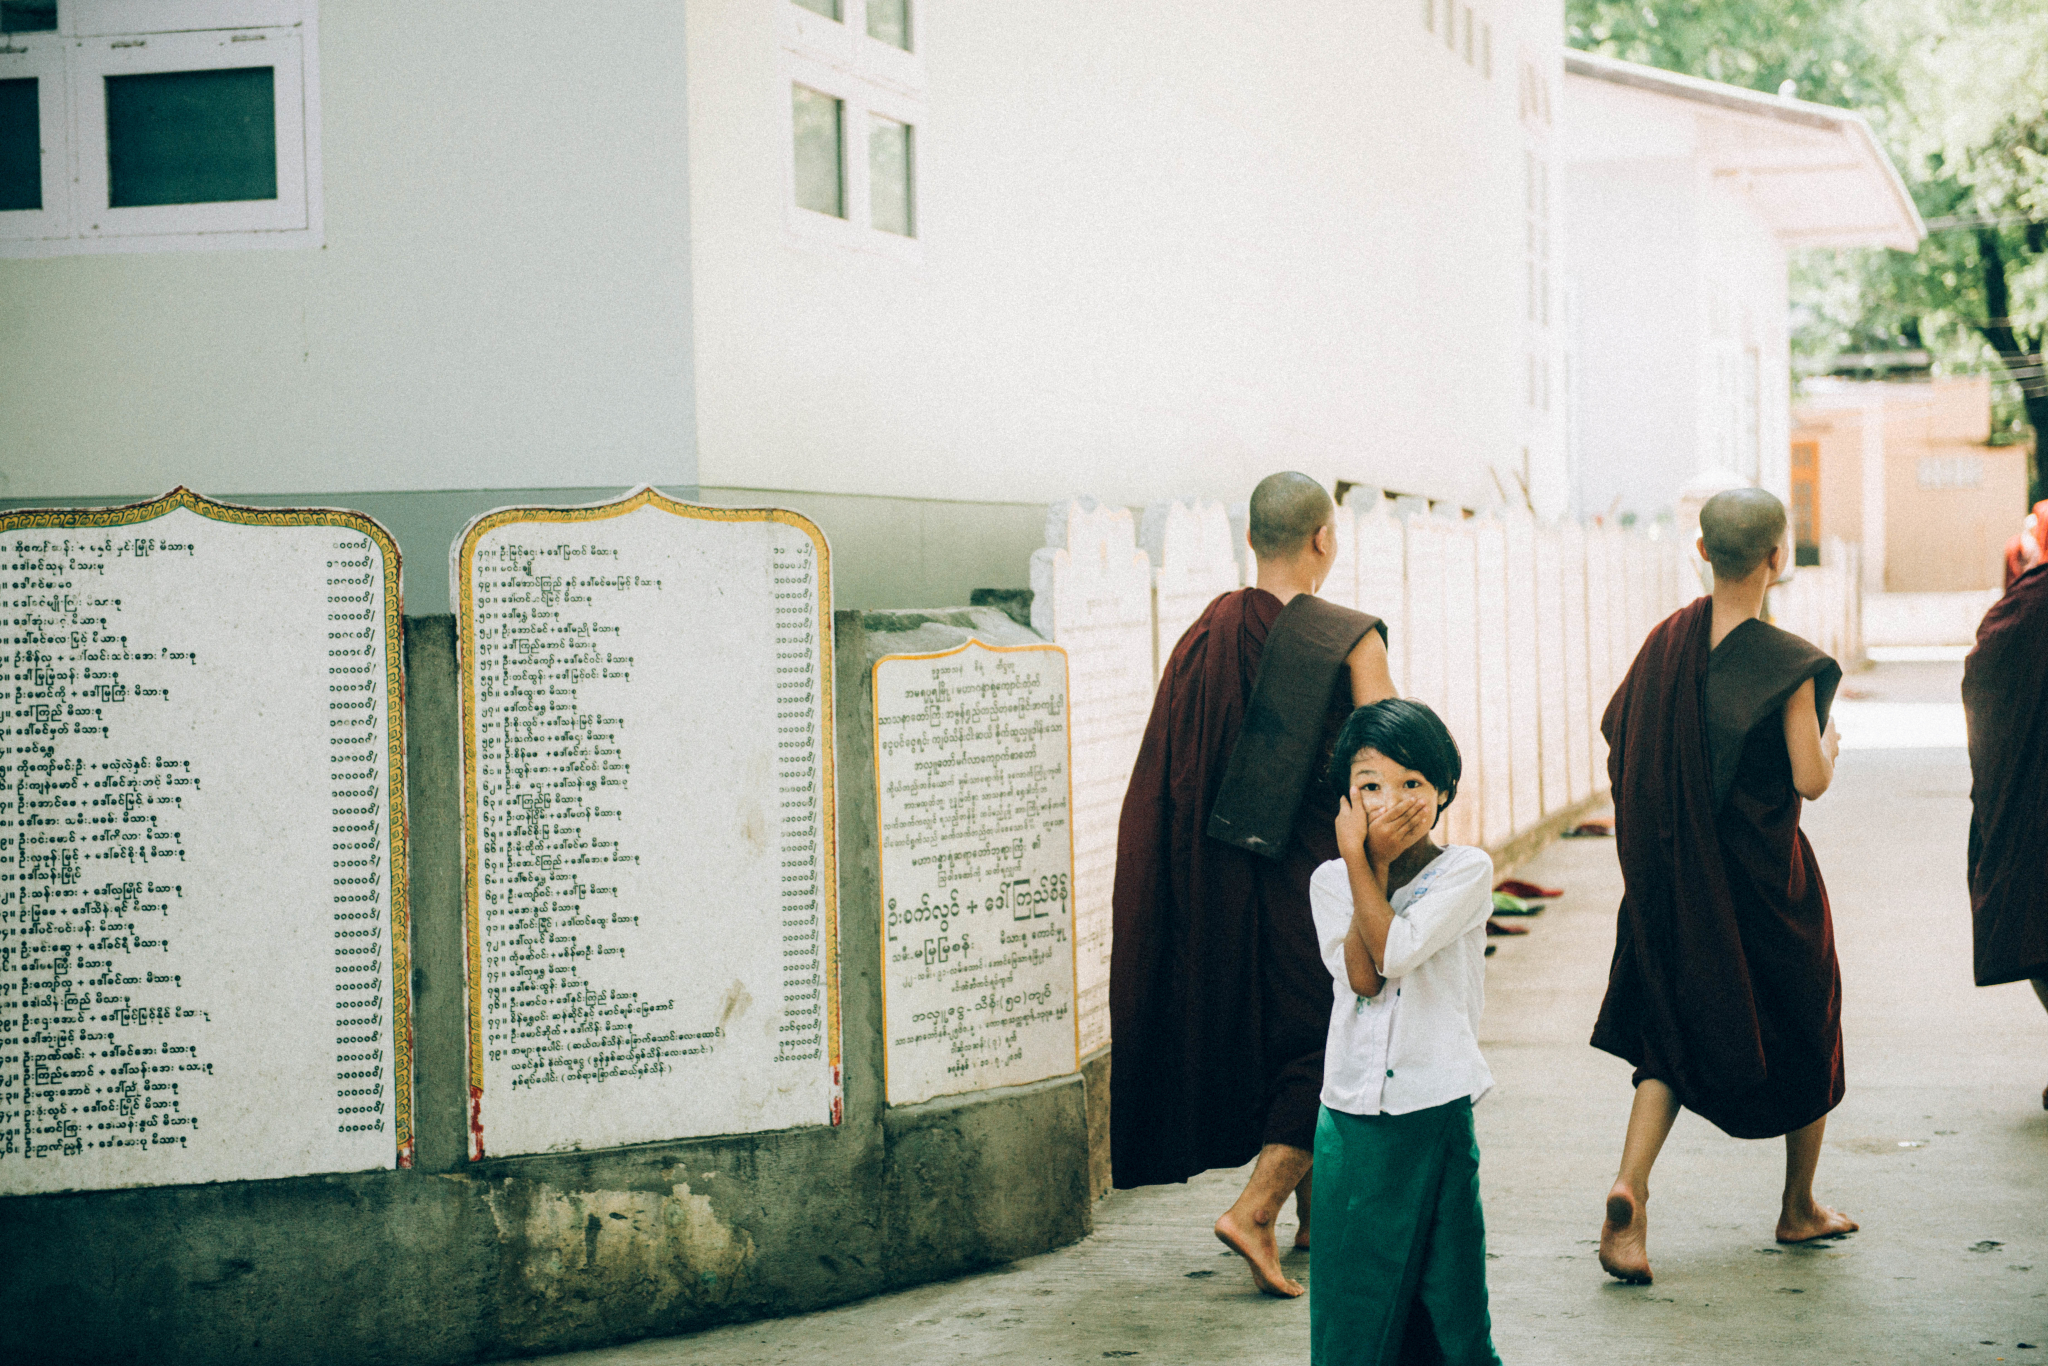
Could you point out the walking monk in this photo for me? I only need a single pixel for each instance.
(2005, 695)
(1218, 998)
(1724, 991)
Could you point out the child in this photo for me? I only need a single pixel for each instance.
(1400, 1240)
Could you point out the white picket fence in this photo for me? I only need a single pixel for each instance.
(1516, 631)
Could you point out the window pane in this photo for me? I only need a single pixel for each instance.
(28, 16)
(828, 8)
(191, 137)
(889, 178)
(820, 164)
(21, 146)
(889, 22)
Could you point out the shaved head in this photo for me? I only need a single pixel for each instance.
(1286, 511)
(1741, 528)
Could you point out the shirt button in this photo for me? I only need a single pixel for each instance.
(1390, 1071)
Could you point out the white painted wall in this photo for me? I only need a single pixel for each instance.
(1166, 248)
(1679, 285)
(502, 300)
(1748, 321)
(1632, 233)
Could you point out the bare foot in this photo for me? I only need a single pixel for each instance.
(1301, 1240)
(1253, 1240)
(1624, 1238)
(1817, 1221)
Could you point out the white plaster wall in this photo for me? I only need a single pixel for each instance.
(1672, 268)
(1633, 231)
(1744, 270)
(1163, 247)
(502, 300)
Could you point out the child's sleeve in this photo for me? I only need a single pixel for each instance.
(1329, 898)
(1456, 893)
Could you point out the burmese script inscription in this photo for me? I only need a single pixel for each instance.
(977, 869)
(201, 831)
(647, 698)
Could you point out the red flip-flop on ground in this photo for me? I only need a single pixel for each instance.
(1528, 891)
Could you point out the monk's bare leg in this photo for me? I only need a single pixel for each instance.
(1302, 1195)
(1624, 1236)
(2041, 990)
(1246, 1228)
(1803, 1219)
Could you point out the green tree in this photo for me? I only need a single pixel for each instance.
(1818, 45)
(1957, 90)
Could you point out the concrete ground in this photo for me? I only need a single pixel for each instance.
(1940, 1150)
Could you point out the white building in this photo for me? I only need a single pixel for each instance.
(1684, 198)
(916, 270)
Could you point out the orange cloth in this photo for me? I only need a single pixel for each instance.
(2016, 562)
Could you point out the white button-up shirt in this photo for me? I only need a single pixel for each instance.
(1416, 1044)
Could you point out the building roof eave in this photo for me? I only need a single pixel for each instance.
(1903, 232)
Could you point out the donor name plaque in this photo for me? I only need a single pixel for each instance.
(974, 804)
(204, 952)
(646, 691)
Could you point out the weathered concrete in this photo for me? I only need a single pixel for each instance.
(433, 791)
(1095, 1072)
(455, 1261)
(1952, 1263)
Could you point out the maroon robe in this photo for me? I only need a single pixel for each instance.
(1724, 984)
(2005, 695)
(1219, 1001)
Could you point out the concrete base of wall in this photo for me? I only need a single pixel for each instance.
(1095, 1073)
(542, 1254)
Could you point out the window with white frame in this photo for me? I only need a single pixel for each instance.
(888, 21)
(856, 98)
(818, 124)
(891, 184)
(149, 125)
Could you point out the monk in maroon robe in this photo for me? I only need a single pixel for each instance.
(1219, 1000)
(2005, 695)
(1724, 991)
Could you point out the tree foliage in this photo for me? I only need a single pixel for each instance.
(1816, 44)
(1957, 91)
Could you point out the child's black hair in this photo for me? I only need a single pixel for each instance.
(1407, 732)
